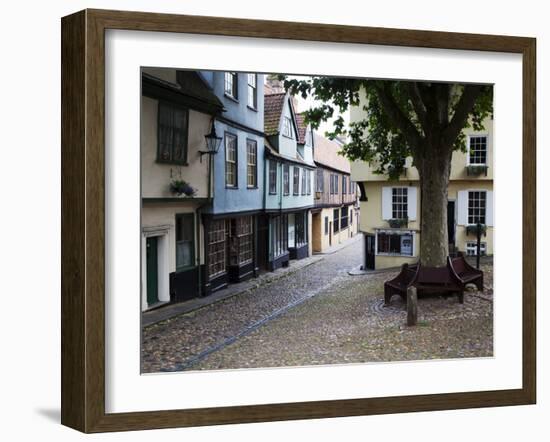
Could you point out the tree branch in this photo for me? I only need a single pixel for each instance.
(463, 109)
(418, 104)
(396, 115)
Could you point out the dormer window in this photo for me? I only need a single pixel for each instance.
(230, 84)
(287, 127)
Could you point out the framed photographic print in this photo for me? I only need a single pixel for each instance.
(267, 221)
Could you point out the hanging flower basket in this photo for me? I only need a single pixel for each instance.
(180, 187)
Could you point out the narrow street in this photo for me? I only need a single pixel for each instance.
(320, 315)
(174, 344)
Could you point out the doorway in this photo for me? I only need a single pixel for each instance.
(370, 248)
(451, 229)
(152, 271)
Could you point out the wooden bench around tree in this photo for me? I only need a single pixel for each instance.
(465, 272)
(451, 279)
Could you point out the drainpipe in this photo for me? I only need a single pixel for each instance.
(209, 200)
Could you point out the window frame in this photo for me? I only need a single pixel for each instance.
(286, 179)
(220, 251)
(398, 233)
(296, 181)
(230, 135)
(480, 191)
(254, 143)
(178, 217)
(342, 218)
(234, 92)
(320, 180)
(402, 202)
(468, 155)
(185, 129)
(304, 182)
(473, 245)
(270, 169)
(254, 87)
(283, 129)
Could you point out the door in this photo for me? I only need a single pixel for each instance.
(369, 251)
(330, 233)
(451, 221)
(263, 242)
(152, 270)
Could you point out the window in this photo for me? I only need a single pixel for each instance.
(216, 248)
(241, 238)
(172, 134)
(395, 243)
(300, 229)
(351, 217)
(185, 241)
(477, 206)
(272, 177)
(286, 179)
(336, 220)
(304, 181)
(296, 181)
(279, 235)
(309, 138)
(252, 91)
(344, 184)
(251, 163)
(319, 185)
(344, 217)
(230, 160)
(231, 83)
(287, 127)
(399, 202)
(478, 150)
(471, 248)
(308, 182)
(326, 225)
(333, 184)
(352, 187)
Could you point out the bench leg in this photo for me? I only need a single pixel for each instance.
(461, 297)
(479, 284)
(387, 296)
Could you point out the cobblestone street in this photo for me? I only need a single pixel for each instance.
(320, 315)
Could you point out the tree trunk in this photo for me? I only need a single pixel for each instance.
(434, 182)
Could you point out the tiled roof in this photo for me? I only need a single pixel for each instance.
(302, 128)
(273, 108)
(325, 152)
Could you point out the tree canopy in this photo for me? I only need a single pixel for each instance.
(401, 118)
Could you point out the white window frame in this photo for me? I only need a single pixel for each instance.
(404, 193)
(468, 205)
(395, 232)
(287, 123)
(473, 245)
(470, 136)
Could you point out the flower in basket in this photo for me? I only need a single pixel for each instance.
(181, 187)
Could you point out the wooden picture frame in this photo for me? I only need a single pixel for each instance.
(83, 216)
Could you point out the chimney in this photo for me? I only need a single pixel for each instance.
(274, 85)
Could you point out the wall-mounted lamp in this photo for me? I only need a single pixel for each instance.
(212, 142)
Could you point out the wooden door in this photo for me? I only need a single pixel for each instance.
(152, 270)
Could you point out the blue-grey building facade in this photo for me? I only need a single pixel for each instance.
(231, 220)
(289, 168)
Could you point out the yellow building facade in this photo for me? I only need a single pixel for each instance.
(390, 210)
